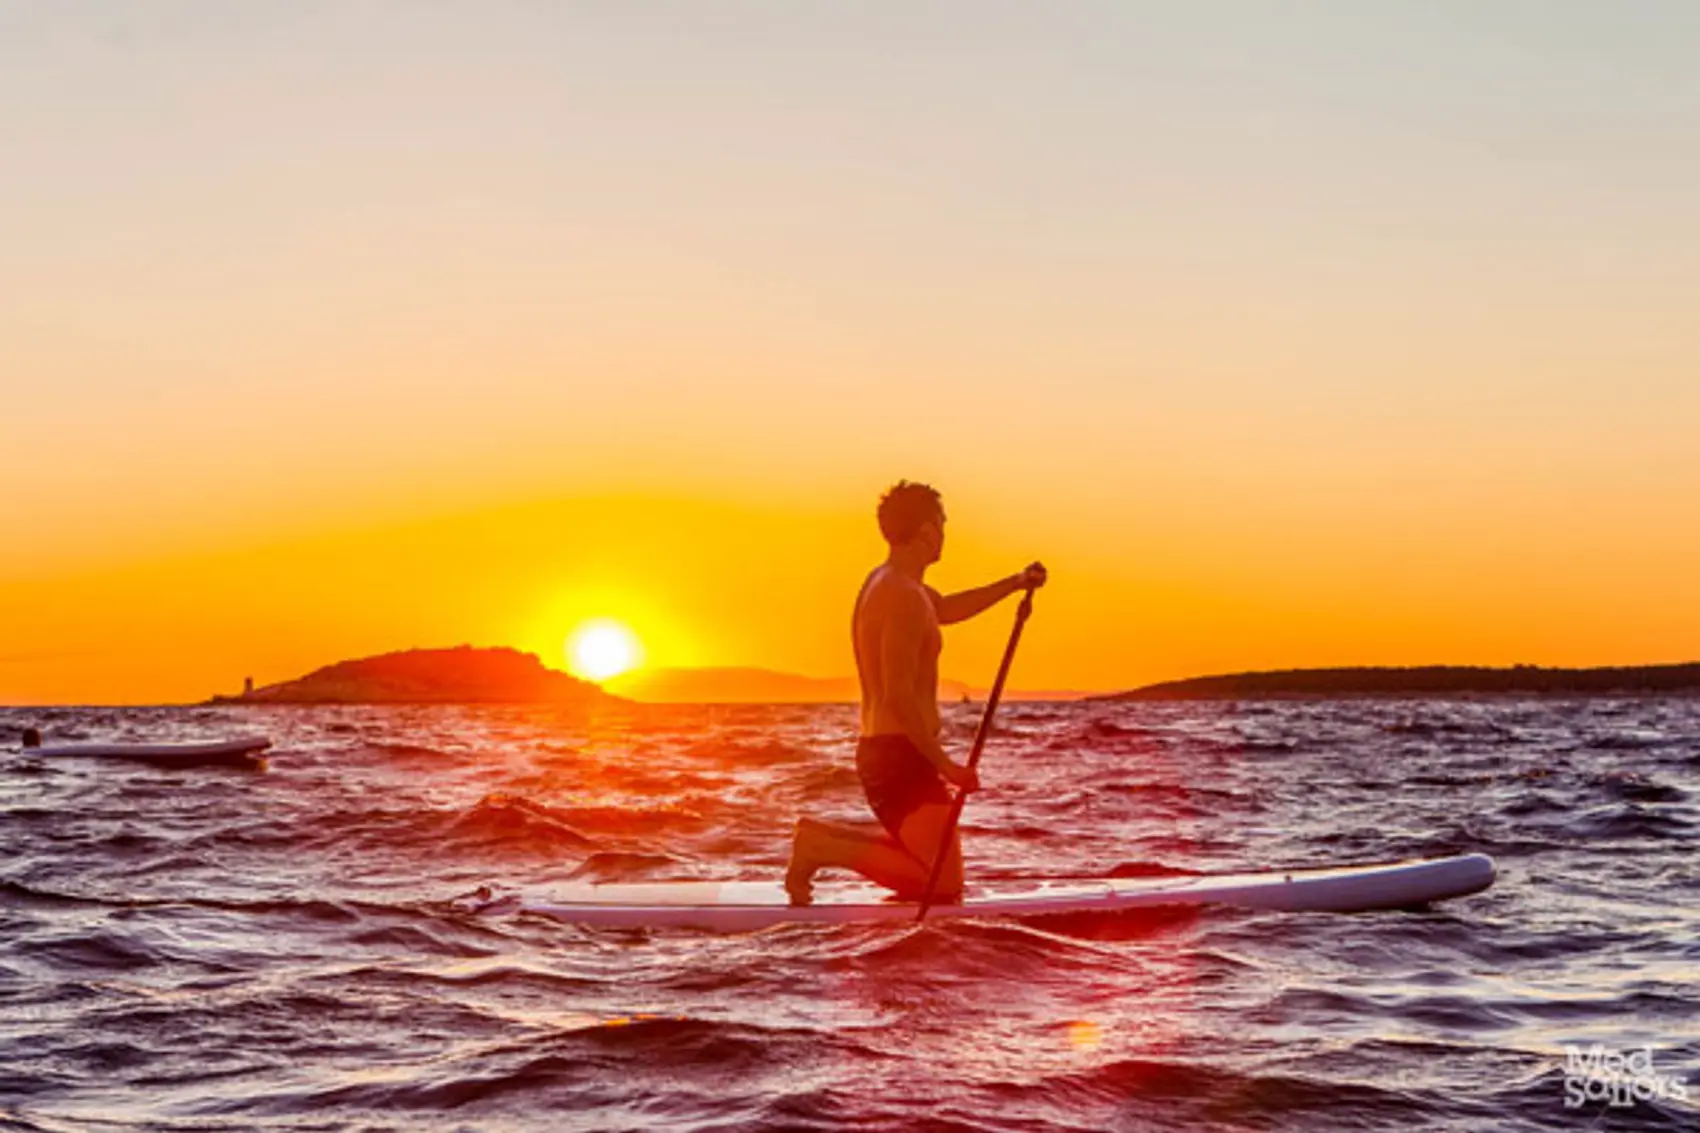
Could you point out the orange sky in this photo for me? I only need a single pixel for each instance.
(1362, 341)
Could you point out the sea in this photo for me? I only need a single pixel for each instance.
(290, 949)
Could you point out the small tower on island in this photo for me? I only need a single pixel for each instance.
(247, 686)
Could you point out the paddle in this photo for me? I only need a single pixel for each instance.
(980, 735)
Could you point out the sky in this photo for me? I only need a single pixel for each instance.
(1286, 334)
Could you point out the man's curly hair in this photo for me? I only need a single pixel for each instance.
(906, 508)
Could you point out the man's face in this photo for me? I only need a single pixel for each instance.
(931, 538)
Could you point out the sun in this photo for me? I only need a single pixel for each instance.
(603, 648)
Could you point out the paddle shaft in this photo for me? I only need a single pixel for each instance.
(980, 735)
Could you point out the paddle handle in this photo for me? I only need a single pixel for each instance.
(985, 729)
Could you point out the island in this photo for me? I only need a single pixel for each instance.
(1428, 681)
(462, 675)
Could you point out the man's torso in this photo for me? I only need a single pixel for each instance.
(875, 613)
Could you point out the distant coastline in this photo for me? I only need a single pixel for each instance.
(462, 675)
(468, 675)
(1427, 681)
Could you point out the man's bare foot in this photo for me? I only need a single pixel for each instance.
(799, 884)
(800, 874)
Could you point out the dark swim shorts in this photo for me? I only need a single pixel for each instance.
(897, 778)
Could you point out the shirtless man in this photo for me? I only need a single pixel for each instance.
(903, 766)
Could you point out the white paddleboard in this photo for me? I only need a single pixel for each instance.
(740, 906)
(241, 752)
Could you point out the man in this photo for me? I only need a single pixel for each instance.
(904, 768)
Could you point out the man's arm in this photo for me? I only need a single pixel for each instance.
(901, 638)
(961, 606)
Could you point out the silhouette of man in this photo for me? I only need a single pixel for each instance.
(904, 768)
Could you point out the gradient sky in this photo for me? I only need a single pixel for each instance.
(1286, 333)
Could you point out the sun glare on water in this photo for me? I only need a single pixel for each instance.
(601, 649)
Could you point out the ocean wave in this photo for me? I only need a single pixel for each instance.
(513, 821)
(617, 866)
(1635, 787)
(404, 751)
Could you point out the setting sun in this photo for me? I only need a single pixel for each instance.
(602, 649)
